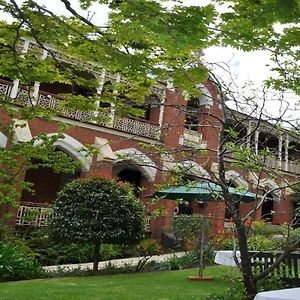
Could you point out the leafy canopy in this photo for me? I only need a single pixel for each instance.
(97, 210)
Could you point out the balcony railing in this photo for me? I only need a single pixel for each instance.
(291, 166)
(37, 215)
(5, 88)
(51, 101)
(274, 163)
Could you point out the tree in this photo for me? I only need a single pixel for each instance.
(97, 211)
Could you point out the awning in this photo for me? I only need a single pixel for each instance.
(204, 192)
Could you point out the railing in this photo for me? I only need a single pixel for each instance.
(47, 100)
(51, 101)
(136, 127)
(33, 215)
(5, 88)
(291, 166)
(288, 269)
(274, 163)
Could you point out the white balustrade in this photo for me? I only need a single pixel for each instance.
(136, 127)
(23, 98)
(33, 216)
(5, 89)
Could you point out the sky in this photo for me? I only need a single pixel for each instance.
(243, 67)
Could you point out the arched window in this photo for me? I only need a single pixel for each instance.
(192, 114)
(46, 184)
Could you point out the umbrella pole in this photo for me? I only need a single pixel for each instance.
(202, 240)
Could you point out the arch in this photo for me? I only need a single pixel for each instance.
(236, 178)
(270, 184)
(72, 147)
(3, 140)
(142, 162)
(194, 168)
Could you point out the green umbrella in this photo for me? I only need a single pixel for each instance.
(204, 191)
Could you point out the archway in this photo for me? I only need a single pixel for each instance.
(46, 184)
(126, 172)
(137, 160)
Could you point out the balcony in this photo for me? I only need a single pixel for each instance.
(291, 166)
(5, 89)
(274, 163)
(50, 101)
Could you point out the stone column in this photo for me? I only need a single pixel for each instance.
(14, 89)
(99, 90)
(249, 131)
(286, 153)
(280, 151)
(256, 139)
(35, 92)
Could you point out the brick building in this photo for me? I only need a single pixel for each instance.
(188, 130)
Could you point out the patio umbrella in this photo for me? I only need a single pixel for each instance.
(203, 192)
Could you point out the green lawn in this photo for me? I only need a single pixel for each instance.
(147, 286)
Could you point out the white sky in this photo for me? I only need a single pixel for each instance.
(250, 66)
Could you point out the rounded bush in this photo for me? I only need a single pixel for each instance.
(97, 210)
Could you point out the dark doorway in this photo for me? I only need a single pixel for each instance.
(267, 209)
(131, 176)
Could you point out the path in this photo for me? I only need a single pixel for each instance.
(115, 262)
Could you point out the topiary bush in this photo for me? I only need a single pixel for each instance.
(97, 211)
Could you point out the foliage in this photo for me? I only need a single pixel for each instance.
(146, 249)
(261, 228)
(259, 243)
(221, 241)
(97, 211)
(188, 227)
(254, 25)
(178, 262)
(20, 157)
(16, 264)
(236, 289)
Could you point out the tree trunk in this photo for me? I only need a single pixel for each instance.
(245, 260)
(96, 257)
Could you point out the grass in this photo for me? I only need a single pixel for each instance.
(170, 285)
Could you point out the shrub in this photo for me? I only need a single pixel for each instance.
(186, 227)
(16, 264)
(178, 263)
(146, 249)
(221, 241)
(264, 229)
(259, 243)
